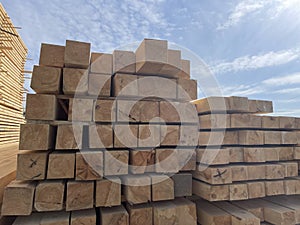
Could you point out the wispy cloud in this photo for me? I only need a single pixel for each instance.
(257, 61)
(283, 80)
(288, 91)
(271, 9)
(241, 10)
(243, 90)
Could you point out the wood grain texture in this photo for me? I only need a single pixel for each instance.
(49, 196)
(77, 54)
(108, 192)
(61, 165)
(80, 195)
(89, 165)
(75, 81)
(114, 216)
(52, 55)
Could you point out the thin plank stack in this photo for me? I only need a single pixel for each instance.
(104, 135)
(243, 155)
(13, 54)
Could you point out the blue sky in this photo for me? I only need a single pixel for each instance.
(251, 46)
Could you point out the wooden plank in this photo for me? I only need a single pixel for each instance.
(238, 215)
(101, 63)
(289, 138)
(168, 111)
(80, 195)
(158, 87)
(164, 213)
(186, 211)
(69, 136)
(276, 214)
(256, 172)
(214, 175)
(271, 154)
(213, 156)
(49, 196)
(251, 137)
(52, 55)
(215, 138)
(166, 161)
(291, 186)
(123, 61)
(142, 161)
(208, 213)
(274, 188)
(162, 187)
(33, 219)
(86, 217)
(61, 165)
(32, 165)
(239, 173)
(41, 107)
(287, 122)
(77, 54)
(254, 155)
(288, 202)
(80, 109)
(36, 137)
(274, 171)
(75, 81)
(256, 189)
(114, 216)
(272, 137)
(236, 154)
(185, 69)
(99, 84)
(270, 122)
(104, 111)
(129, 111)
(89, 165)
(140, 214)
(137, 189)
(170, 135)
(149, 135)
(186, 159)
(11, 205)
(116, 162)
(108, 192)
(260, 106)
(210, 192)
(125, 136)
(245, 121)
(100, 136)
(290, 169)
(182, 184)
(214, 121)
(53, 218)
(252, 207)
(187, 89)
(238, 191)
(46, 80)
(286, 153)
(151, 55)
(173, 65)
(125, 85)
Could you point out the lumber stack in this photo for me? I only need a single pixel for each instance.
(243, 155)
(12, 59)
(109, 138)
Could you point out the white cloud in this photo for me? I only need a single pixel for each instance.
(270, 8)
(243, 90)
(288, 91)
(283, 80)
(241, 10)
(257, 61)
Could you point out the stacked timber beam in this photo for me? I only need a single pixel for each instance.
(247, 164)
(12, 59)
(109, 139)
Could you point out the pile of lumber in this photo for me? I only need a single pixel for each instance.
(109, 138)
(256, 157)
(247, 163)
(12, 59)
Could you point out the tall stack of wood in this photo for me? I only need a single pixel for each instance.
(247, 159)
(109, 139)
(12, 59)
